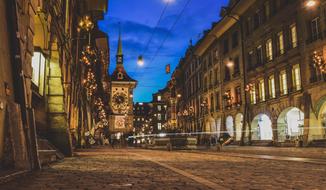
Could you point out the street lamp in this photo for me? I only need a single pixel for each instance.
(230, 63)
(86, 24)
(311, 3)
(140, 61)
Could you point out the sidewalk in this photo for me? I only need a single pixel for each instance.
(314, 153)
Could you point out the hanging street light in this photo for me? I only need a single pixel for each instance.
(311, 3)
(140, 61)
(229, 63)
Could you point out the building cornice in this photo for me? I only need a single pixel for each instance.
(222, 26)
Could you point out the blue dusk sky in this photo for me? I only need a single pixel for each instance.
(138, 19)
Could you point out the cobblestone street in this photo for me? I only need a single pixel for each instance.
(144, 169)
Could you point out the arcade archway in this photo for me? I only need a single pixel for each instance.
(261, 128)
(290, 124)
(322, 117)
(230, 125)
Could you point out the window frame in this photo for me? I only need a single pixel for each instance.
(283, 83)
(271, 86)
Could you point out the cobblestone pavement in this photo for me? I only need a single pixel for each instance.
(145, 169)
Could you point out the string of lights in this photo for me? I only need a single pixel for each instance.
(319, 62)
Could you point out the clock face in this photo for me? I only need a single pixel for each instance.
(119, 101)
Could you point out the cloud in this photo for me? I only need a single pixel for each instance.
(138, 19)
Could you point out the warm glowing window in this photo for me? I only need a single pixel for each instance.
(283, 83)
(159, 126)
(296, 77)
(293, 32)
(269, 50)
(38, 66)
(159, 117)
(261, 89)
(159, 107)
(159, 98)
(280, 39)
(253, 96)
(271, 86)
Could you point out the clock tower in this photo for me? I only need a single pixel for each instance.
(121, 97)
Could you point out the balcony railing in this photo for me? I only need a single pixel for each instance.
(314, 37)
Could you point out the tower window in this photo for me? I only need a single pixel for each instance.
(120, 76)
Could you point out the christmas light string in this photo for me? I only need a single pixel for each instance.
(319, 62)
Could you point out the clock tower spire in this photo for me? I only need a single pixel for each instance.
(121, 97)
(119, 55)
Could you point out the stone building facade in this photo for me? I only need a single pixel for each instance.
(160, 106)
(260, 64)
(142, 119)
(39, 62)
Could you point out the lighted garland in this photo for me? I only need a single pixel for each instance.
(319, 62)
(101, 111)
(89, 56)
(90, 83)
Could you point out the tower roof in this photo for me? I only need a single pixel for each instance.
(119, 51)
(120, 74)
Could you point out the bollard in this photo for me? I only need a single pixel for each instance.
(169, 146)
(218, 147)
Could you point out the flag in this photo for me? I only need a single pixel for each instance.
(168, 69)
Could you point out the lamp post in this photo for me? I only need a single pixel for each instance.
(86, 24)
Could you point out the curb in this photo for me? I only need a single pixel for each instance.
(12, 176)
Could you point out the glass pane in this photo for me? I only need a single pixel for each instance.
(36, 67)
(41, 75)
